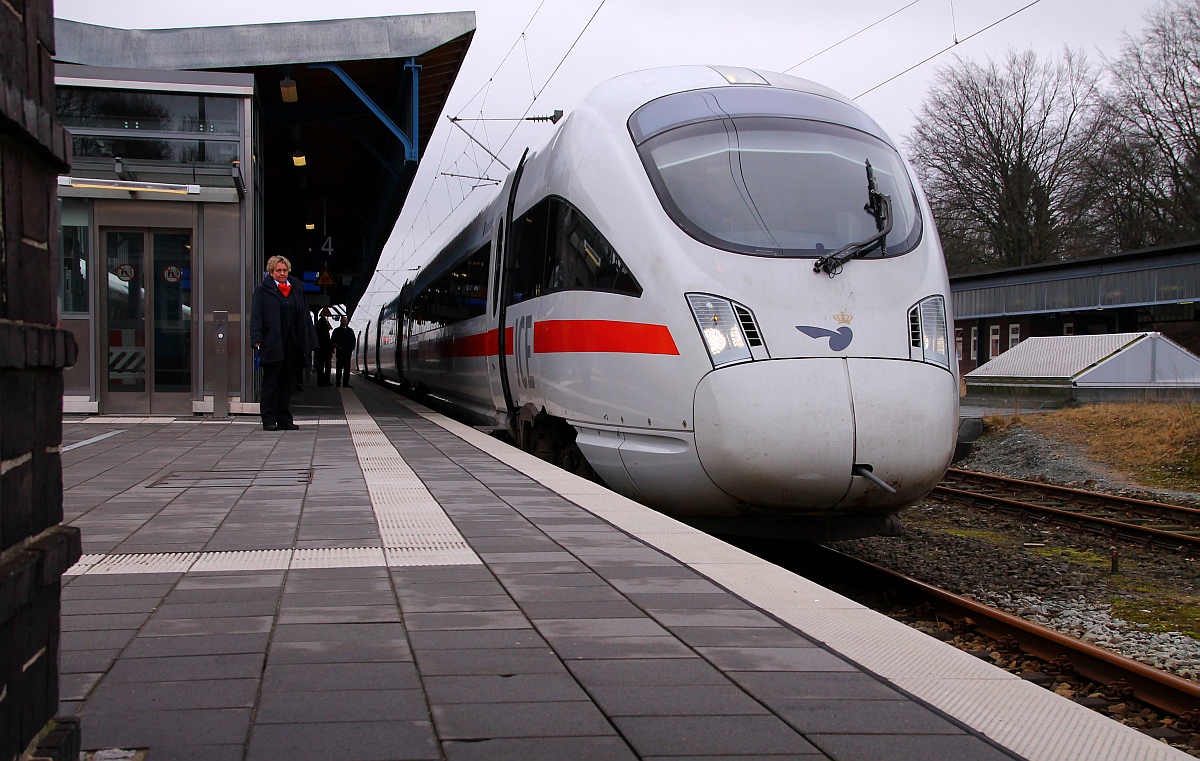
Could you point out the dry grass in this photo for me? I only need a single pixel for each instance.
(1155, 444)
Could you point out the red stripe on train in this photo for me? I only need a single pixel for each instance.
(557, 336)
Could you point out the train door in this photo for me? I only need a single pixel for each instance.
(494, 298)
(147, 322)
(505, 338)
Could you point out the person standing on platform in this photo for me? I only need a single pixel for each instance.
(324, 352)
(281, 330)
(343, 342)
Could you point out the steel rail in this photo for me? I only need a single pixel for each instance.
(1152, 686)
(1169, 539)
(1072, 494)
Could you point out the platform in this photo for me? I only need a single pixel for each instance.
(385, 583)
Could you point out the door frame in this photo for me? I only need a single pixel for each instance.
(147, 402)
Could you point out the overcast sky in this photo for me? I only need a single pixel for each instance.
(519, 44)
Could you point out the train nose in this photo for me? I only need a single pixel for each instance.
(778, 433)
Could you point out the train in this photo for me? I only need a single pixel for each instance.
(717, 290)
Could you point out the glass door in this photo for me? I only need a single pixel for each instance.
(149, 296)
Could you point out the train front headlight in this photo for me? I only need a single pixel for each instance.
(720, 328)
(928, 334)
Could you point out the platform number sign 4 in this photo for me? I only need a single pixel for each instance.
(327, 246)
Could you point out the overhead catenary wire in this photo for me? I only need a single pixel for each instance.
(484, 169)
(852, 36)
(951, 46)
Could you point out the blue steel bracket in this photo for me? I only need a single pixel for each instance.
(410, 142)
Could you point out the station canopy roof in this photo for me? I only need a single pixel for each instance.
(1113, 360)
(356, 174)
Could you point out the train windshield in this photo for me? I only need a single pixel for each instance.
(778, 186)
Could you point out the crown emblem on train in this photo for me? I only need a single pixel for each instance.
(843, 318)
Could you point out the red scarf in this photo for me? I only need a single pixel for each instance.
(285, 288)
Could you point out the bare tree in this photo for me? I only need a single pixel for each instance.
(1147, 184)
(1003, 152)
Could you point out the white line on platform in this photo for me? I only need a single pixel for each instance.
(92, 440)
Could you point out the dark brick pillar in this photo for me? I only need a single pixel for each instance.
(35, 549)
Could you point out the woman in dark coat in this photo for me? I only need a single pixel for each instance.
(281, 329)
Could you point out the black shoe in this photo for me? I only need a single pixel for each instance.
(271, 427)
(338, 385)
(347, 385)
(289, 427)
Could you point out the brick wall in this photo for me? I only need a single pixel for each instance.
(35, 548)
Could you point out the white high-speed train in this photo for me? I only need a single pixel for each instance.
(720, 290)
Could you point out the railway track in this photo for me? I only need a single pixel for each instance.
(1123, 676)
(1170, 526)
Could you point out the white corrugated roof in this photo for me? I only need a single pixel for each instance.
(1054, 356)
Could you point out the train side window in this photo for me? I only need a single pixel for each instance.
(531, 233)
(556, 248)
(459, 294)
(584, 259)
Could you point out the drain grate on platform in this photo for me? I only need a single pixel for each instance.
(239, 479)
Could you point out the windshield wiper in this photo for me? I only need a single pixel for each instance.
(878, 206)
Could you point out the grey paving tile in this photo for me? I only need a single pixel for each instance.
(287, 677)
(103, 622)
(364, 741)
(96, 640)
(183, 729)
(600, 627)
(686, 601)
(574, 648)
(783, 685)
(75, 589)
(186, 667)
(461, 621)
(504, 569)
(468, 639)
(190, 752)
(582, 610)
(721, 618)
(540, 749)
(494, 720)
(209, 644)
(76, 686)
(517, 688)
(332, 651)
(699, 735)
(339, 599)
(77, 607)
(457, 604)
(350, 706)
(907, 747)
(545, 580)
(497, 661)
(715, 636)
(774, 659)
(353, 632)
(357, 614)
(374, 585)
(231, 580)
(566, 594)
(133, 697)
(692, 700)
(178, 627)
(647, 671)
(819, 716)
(175, 609)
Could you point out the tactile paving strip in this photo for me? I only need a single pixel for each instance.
(414, 527)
